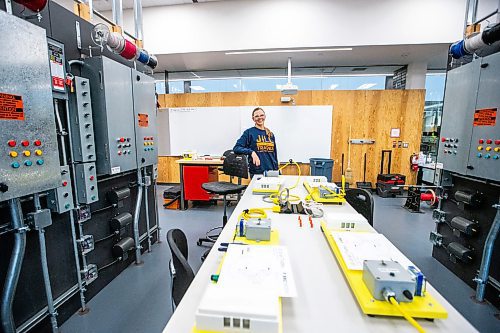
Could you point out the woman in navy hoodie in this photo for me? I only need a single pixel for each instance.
(259, 144)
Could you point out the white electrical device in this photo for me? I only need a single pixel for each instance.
(315, 181)
(268, 185)
(347, 222)
(223, 310)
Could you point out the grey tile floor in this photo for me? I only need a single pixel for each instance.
(138, 300)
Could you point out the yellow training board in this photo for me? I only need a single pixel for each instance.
(421, 307)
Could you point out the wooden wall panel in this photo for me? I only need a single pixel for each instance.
(168, 170)
(369, 113)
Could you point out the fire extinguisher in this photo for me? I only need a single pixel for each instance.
(414, 162)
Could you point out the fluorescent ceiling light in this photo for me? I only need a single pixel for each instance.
(333, 86)
(197, 88)
(289, 51)
(366, 86)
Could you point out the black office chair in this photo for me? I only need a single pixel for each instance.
(181, 273)
(362, 201)
(233, 166)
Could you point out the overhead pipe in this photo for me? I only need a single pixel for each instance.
(482, 278)
(475, 43)
(33, 5)
(137, 214)
(138, 20)
(45, 270)
(119, 45)
(14, 269)
(117, 12)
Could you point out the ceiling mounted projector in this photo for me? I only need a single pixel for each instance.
(289, 88)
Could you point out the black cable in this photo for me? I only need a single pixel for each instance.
(109, 265)
(105, 238)
(171, 201)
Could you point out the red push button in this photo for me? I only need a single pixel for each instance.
(91, 177)
(481, 141)
(64, 183)
(122, 139)
(497, 142)
(489, 141)
(38, 143)
(25, 143)
(11, 143)
(443, 139)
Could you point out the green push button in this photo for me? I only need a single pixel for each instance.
(15, 165)
(39, 162)
(28, 163)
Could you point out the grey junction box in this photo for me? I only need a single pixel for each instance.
(379, 275)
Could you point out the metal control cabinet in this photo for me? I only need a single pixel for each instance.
(113, 114)
(457, 117)
(82, 127)
(60, 200)
(145, 118)
(29, 161)
(484, 157)
(86, 183)
(470, 135)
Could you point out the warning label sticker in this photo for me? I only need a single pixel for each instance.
(143, 119)
(485, 117)
(11, 107)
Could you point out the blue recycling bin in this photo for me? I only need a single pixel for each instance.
(321, 167)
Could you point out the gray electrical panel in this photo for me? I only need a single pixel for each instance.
(113, 114)
(484, 157)
(143, 87)
(470, 135)
(459, 102)
(60, 200)
(82, 127)
(29, 153)
(86, 183)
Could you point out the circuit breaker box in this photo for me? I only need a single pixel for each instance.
(145, 118)
(29, 160)
(113, 114)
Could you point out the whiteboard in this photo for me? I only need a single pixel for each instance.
(301, 132)
(208, 130)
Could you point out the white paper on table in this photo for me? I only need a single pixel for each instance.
(258, 268)
(356, 247)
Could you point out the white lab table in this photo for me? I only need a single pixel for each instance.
(324, 302)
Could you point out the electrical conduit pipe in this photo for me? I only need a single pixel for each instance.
(475, 43)
(137, 214)
(14, 269)
(482, 277)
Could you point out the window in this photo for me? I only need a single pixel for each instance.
(433, 110)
